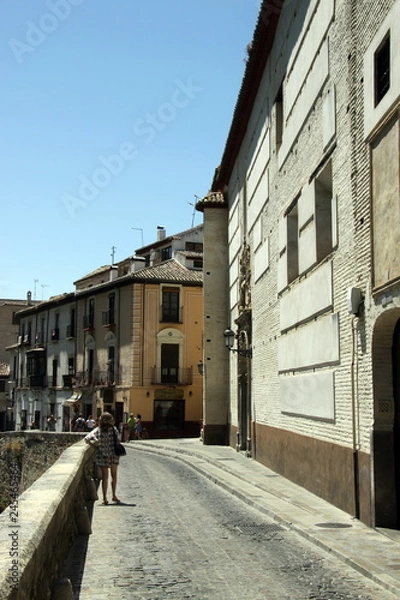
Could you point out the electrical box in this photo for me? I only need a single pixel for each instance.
(354, 299)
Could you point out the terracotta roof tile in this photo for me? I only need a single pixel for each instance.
(169, 271)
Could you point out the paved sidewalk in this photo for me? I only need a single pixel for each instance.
(374, 553)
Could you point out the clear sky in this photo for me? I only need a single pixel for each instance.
(114, 115)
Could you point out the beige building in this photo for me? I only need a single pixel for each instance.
(127, 340)
(307, 197)
(8, 336)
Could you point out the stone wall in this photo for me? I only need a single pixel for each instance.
(28, 454)
(38, 527)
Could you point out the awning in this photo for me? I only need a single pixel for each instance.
(74, 398)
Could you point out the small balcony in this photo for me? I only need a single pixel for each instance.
(55, 334)
(70, 331)
(88, 322)
(108, 318)
(39, 338)
(106, 378)
(35, 381)
(26, 339)
(67, 381)
(171, 376)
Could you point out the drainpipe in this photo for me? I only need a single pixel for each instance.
(355, 418)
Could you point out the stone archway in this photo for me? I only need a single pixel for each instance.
(386, 429)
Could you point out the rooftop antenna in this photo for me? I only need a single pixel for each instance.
(113, 249)
(194, 208)
(141, 233)
(43, 285)
(35, 281)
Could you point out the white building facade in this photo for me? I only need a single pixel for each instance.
(310, 181)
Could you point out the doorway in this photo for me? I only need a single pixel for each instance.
(396, 427)
(243, 415)
(386, 429)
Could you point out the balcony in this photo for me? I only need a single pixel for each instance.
(35, 381)
(88, 322)
(70, 332)
(106, 378)
(67, 381)
(108, 318)
(55, 334)
(39, 338)
(171, 376)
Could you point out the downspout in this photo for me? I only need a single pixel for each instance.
(355, 418)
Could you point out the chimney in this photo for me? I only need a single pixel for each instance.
(29, 298)
(161, 233)
(113, 272)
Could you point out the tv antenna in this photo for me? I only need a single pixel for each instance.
(141, 233)
(43, 285)
(194, 208)
(113, 249)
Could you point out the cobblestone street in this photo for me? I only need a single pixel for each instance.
(180, 536)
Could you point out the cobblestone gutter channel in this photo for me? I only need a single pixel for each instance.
(39, 525)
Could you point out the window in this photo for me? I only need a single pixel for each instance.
(323, 212)
(292, 243)
(91, 312)
(169, 363)
(54, 373)
(111, 365)
(170, 305)
(111, 309)
(71, 326)
(194, 247)
(279, 118)
(90, 366)
(55, 332)
(2, 385)
(382, 70)
(71, 365)
(166, 253)
(88, 319)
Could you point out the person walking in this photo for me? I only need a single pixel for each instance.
(51, 423)
(131, 425)
(102, 437)
(80, 423)
(139, 427)
(90, 423)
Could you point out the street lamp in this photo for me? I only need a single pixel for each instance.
(229, 336)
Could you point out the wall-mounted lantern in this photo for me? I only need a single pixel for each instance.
(230, 336)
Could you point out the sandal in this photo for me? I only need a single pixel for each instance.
(116, 500)
(105, 502)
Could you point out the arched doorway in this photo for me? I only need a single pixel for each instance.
(386, 430)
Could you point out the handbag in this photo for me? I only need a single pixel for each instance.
(119, 449)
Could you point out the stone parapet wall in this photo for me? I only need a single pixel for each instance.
(37, 528)
(30, 453)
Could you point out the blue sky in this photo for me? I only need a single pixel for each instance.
(114, 116)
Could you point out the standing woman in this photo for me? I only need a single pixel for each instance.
(102, 437)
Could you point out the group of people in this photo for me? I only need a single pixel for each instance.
(80, 424)
(135, 427)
